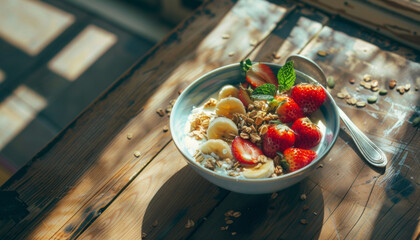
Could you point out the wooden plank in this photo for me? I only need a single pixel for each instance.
(94, 148)
(377, 19)
(159, 202)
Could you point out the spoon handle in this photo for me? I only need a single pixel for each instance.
(373, 154)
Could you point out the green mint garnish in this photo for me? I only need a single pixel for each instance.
(284, 164)
(286, 76)
(265, 92)
(246, 65)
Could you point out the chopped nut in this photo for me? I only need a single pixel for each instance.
(278, 170)
(180, 91)
(392, 83)
(165, 128)
(303, 221)
(137, 154)
(190, 224)
(322, 53)
(168, 109)
(303, 197)
(172, 102)
(155, 223)
(401, 89)
(210, 103)
(367, 78)
(160, 112)
(129, 136)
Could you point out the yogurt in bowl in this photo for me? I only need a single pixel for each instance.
(197, 115)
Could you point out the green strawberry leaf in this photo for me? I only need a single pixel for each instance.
(264, 92)
(286, 76)
(284, 164)
(246, 65)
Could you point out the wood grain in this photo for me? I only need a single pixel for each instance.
(96, 144)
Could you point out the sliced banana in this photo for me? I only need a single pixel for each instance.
(264, 171)
(218, 147)
(228, 106)
(228, 91)
(222, 128)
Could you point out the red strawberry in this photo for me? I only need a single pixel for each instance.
(288, 110)
(243, 95)
(277, 139)
(298, 158)
(308, 96)
(245, 151)
(307, 134)
(258, 74)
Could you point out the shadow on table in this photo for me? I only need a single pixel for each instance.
(263, 216)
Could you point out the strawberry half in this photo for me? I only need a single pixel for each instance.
(245, 151)
(307, 133)
(243, 95)
(288, 110)
(258, 74)
(277, 139)
(308, 96)
(297, 158)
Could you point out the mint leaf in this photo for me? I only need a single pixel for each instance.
(246, 65)
(265, 89)
(286, 76)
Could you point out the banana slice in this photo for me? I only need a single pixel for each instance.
(228, 91)
(228, 106)
(218, 147)
(264, 171)
(222, 128)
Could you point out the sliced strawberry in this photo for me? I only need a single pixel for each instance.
(288, 110)
(243, 95)
(245, 151)
(277, 139)
(297, 158)
(307, 133)
(258, 74)
(265, 73)
(308, 96)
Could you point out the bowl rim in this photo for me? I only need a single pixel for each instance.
(191, 161)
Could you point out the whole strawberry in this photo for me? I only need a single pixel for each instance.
(297, 158)
(308, 96)
(307, 133)
(287, 109)
(277, 139)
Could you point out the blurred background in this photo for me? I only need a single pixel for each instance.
(56, 57)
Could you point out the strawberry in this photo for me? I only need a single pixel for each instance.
(307, 134)
(277, 139)
(243, 95)
(308, 96)
(245, 151)
(297, 158)
(258, 74)
(287, 109)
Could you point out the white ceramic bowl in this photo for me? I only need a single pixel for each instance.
(209, 84)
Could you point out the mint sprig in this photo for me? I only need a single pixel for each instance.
(264, 92)
(246, 65)
(286, 76)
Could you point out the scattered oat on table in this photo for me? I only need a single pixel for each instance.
(155, 223)
(137, 154)
(407, 87)
(180, 91)
(383, 92)
(303, 221)
(229, 221)
(253, 42)
(129, 136)
(165, 128)
(315, 213)
(303, 197)
(372, 99)
(274, 195)
(392, 83)
(160, 112)
(352, 81)
(233, 233)
(367, 78)
(321, 165)
(360, 104)
(351, 101)
(276, 55)
(236, 214)
(190, 224)
(401, 89)
(322, 53)
(226, 36)
(305, 207)
(144, 235)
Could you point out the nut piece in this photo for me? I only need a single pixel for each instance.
(190, 224)
(401, 89)
(129, 136)
(165, 128)
(392, 83)
(137, 154)
(367, 78)
(351, 101)
(160, 112)
(407, 87)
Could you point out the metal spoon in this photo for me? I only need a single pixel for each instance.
(372, 153)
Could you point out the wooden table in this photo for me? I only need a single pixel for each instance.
(88, 184)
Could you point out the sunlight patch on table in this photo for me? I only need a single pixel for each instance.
(2, 76)
(82, 52)
(31, 25)
(17, 111)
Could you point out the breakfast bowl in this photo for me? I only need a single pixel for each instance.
(208, 86)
